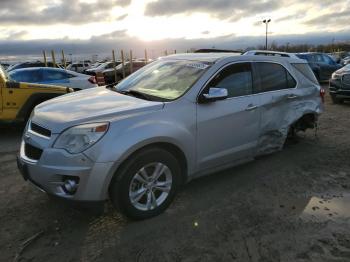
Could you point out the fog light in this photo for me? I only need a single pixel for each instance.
(70, 185)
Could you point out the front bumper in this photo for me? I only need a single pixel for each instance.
(56, 165)
(338, 89)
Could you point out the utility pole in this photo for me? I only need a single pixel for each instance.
(266, 22)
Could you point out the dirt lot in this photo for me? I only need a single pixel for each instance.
(290, 206)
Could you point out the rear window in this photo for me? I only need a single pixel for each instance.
(305, 57)
(306, 71)
(274, 77)
(30, 76)
(272, 54)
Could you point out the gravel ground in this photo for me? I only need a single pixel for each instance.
(289, 206)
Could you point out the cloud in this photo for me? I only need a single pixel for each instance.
(17, 35)
(122, 17)
(233, 9)
(118, 40)
(337, 18)
(290, 17)
(66, 12)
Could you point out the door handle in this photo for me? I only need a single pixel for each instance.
(251, 108)
(292, 96)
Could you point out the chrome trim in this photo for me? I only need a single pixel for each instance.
(24, 157)
(251, 108)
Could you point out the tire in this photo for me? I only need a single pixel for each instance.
(336, 100)
(135, 176)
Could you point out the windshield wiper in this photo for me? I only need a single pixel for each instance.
(137, 94)
(141, 95)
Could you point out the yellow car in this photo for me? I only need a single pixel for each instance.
(17, 99)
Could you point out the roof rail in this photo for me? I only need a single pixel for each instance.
(212, 50)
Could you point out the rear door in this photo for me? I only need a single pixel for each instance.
(278, 96)
(227, 130)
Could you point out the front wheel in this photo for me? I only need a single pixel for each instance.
(146, 184)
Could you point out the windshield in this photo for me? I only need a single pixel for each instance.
(103, 65)
(164, 79)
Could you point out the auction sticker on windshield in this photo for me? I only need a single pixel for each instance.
(198, 65)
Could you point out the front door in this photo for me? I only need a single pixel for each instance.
(227, 130)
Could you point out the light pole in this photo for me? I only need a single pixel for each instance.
(266, 22)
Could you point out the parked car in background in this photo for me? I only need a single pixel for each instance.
(321, 64)
(79, 67)
(178, 118)
(109, 73)
(54, 76)
(4, 65)
(339, 85)
(100, 68)
(17, 99)
(346, 60)
(30, 64)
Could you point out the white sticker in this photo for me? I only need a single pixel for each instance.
(198, 65)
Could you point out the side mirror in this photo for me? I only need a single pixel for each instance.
(215, 94)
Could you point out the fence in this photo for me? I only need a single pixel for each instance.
(124, 60)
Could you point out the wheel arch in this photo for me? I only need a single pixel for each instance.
(168, 146)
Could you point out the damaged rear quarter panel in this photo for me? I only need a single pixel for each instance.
(279, 110)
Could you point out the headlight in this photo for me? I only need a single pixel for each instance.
(79, 138)
(336, 76)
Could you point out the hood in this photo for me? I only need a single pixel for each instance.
(91, 105)
(345, 69)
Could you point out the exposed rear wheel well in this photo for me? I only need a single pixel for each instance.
(307, 121)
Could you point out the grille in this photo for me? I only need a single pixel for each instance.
(346, 79)
(40, 130)
(32, 152)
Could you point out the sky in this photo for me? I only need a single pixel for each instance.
(88, 25)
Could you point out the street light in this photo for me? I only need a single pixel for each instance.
(266, 22)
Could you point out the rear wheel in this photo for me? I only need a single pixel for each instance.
(146, 184)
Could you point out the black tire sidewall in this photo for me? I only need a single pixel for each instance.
(119, 189)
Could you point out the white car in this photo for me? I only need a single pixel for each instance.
(100, 68)
(53, 76)
(79, 67)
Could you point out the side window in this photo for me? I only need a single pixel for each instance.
(328, 60)
(54, 75)
(237, 79)
(319, 59)
(31, 76)
(274, 77)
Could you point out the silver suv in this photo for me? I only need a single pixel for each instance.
(176, 119)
